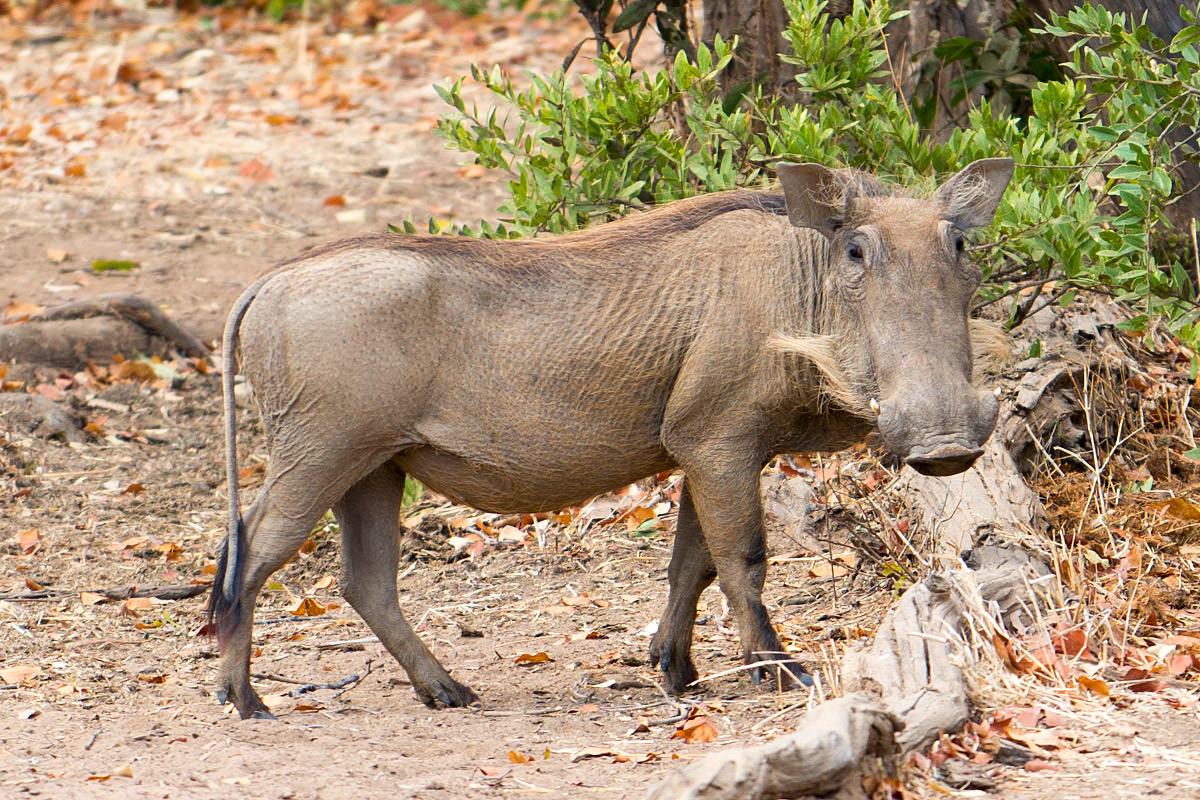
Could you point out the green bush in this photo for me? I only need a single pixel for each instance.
(1085, 209)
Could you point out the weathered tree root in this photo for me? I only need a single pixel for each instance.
(137, 310)
(837, 737)
(95, 328)
(902, 692)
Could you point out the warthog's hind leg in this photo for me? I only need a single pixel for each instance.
(273, 538)
(690, 572)
(369, 517)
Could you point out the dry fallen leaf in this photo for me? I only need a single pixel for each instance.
(29, 541)
(115, 121)
(696, 730)
(19, 312)
(533, 658)
(511, 534)
(471, 171)
(256, 171)
(1178, 508)
(306, 607)
(20, 134)
(134, 370)
(827, 569)
(76, 167)
(518, 758)
(90, 598)
(19, 674)
(592, 752)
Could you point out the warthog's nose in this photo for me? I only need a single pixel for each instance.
(949, 459)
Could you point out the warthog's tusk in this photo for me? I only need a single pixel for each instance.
(874, 405)
(997, 392)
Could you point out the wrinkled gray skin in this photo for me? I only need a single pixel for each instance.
(533, 375)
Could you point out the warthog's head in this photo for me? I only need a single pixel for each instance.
(893, 308)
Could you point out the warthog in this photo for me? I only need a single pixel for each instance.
(706, 335)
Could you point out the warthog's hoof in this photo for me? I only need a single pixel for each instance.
(446, 692)
(678, 670)
(247, 703)
(778, 670)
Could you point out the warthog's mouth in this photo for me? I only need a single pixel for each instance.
(949, 459)
(946, 440)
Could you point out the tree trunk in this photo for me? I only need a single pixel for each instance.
(758, 26)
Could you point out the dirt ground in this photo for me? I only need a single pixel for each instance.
(204, 152)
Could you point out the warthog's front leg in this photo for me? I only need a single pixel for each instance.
(690, 572)
(368, 515)
(729, 509)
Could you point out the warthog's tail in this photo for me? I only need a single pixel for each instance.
(225, 602)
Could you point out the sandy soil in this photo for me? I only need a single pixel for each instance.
(111, 697)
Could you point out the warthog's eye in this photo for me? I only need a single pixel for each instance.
(854, 252)
(960, 244)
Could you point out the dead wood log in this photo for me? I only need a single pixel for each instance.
(96, 329)
(903, 691)
(990, 499)
(910, 666)
(822, 757)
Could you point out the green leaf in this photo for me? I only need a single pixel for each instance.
(1187, 36)
(412, 491)
(1193, 454)
(107, 265)
(635, 13)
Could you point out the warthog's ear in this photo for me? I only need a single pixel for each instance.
(971, 197)
(814, 196)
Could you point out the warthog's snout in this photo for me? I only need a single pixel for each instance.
(938, 433)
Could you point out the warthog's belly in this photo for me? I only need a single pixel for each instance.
(530, 484)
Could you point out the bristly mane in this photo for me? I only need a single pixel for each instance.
(669, 219)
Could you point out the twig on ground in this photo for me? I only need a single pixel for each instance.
(342, 642)
(535, 712)
(305, 687)
(173, 592)
(352, 681)
(270, 676)
(785, 710)
(680, 717)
